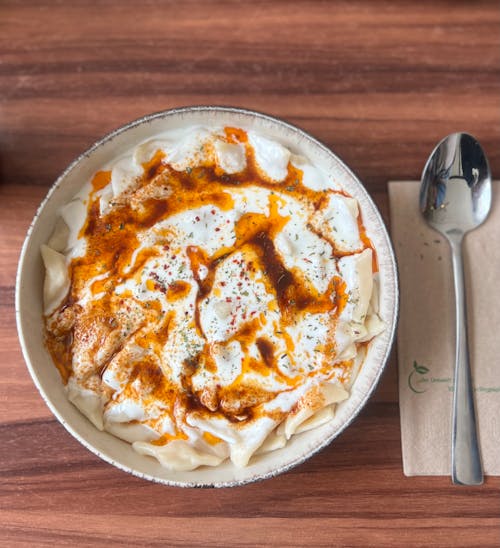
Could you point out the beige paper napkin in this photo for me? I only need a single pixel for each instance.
(426, 333)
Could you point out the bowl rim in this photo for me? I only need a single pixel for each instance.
(390, 335)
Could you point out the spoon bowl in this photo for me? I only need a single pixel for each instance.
(455, 197)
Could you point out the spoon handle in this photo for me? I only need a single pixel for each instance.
(465, 456)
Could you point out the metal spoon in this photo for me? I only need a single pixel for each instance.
(455, 197)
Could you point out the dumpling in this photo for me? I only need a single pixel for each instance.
(318, 398)
(230, 156)
(337, 221)
(356, 271)
(271, 156)
(56, 284)
(177, 455)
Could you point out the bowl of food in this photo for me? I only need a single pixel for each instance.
(206, 297)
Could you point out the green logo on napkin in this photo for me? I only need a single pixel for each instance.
(415, 378)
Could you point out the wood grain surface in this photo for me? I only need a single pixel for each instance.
(380, 83)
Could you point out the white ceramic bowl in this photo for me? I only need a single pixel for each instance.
(29, 300)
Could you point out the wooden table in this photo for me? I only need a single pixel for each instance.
(380, 83)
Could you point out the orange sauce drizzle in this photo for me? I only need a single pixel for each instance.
(112, 241)
(211, 439)
(100, 180)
